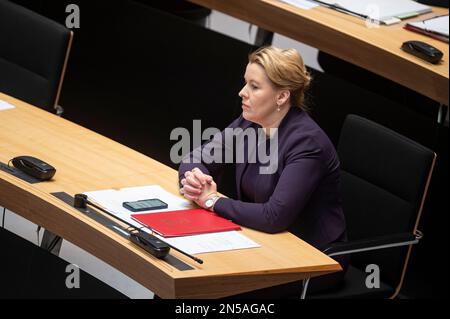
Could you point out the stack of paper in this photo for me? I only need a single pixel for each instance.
(436, 27)
(5, 105)
(380, 10)
(302, 4)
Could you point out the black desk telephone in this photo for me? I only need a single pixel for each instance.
(34, 167)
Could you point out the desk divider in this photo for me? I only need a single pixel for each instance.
(18, 173)
(116, 227)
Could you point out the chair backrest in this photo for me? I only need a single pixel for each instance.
(385, 177)
(33, 55)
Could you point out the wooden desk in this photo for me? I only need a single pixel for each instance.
(348, 37)
(87, 161)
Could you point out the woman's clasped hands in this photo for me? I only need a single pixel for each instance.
(198, 186)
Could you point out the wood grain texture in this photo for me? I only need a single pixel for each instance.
(376, 49)
(86, 161)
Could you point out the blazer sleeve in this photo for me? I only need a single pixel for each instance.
(298, 180)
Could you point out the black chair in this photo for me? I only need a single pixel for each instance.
(29, 271)
(385, 177)
(33, 55)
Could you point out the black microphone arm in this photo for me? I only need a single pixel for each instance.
(148, 242)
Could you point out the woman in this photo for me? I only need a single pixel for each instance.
(300, 193)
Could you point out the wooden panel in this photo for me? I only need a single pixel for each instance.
(87, 161)
(376, 49)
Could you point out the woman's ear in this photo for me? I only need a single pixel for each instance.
(283, 97)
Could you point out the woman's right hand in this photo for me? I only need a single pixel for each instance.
(193, 182)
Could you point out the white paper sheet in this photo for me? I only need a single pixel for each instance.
(111, 200)
(213, 242)
(302, 4)
(5, 105)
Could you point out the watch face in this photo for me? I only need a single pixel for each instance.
(209, 203)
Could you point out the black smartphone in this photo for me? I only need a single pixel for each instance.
(145, 204)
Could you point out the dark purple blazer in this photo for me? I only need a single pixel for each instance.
(302, 196)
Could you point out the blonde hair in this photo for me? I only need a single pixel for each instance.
(286, 70)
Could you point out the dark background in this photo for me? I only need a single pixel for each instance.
(135, 73)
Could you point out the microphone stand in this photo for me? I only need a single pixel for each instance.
(150, 243)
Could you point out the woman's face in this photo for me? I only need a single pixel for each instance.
(259, 96)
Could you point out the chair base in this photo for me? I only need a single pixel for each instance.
(354, 286)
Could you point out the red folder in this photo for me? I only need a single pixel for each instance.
(185, 222)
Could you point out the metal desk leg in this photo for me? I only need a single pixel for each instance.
(442, 115)
(305, 288)
(263, 37)
(441, 121)
(51, 242)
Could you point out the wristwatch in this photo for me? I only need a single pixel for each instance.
(209, 203)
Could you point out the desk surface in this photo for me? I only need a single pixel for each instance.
(348, 37)
(87, 161)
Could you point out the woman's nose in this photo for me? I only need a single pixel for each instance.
(243, 93)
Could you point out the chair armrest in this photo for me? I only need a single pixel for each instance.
(366, 244)
(374, 243)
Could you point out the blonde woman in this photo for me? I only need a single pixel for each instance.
(300, 193)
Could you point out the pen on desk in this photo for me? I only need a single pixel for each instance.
(200, 261)
(434, 17)
(424, 22)
(81, 201)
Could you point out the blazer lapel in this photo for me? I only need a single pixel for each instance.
(240, 167)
